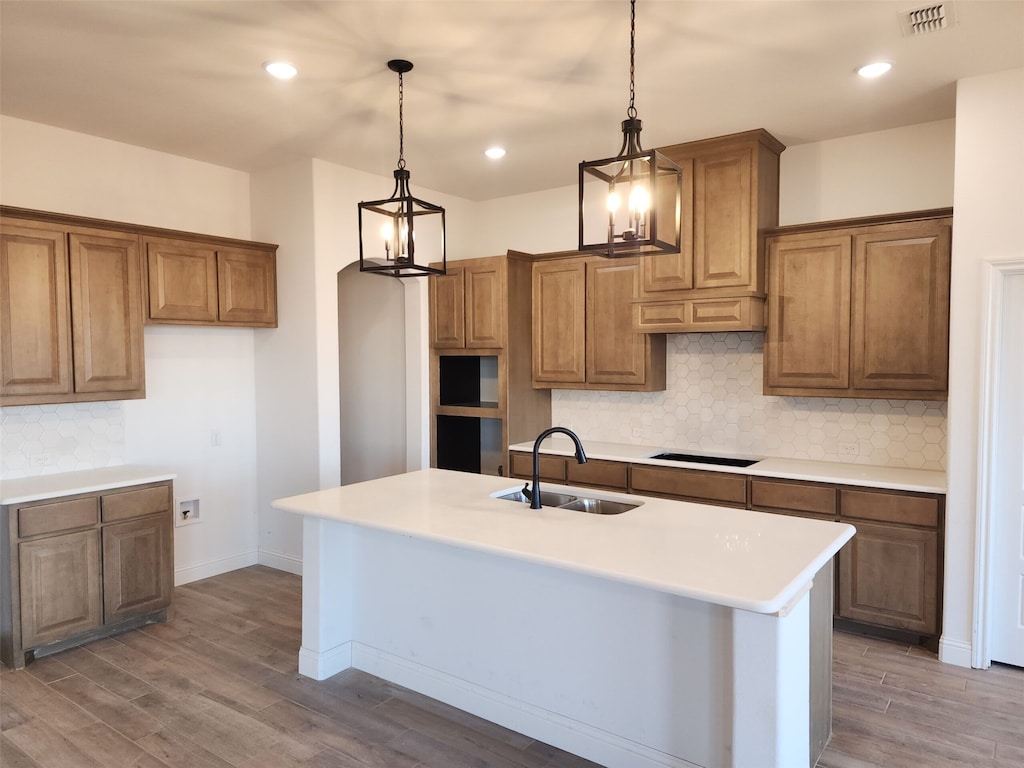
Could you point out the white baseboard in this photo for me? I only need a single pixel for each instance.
(571, 735)
(281, 561)
(956, 652)
(320, 666)
(213, 567)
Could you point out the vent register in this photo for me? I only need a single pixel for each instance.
(931, 18)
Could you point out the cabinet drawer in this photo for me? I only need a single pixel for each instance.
(902, 508)
(551, 467)
(58, 516)
(605, 474)
(693, 484)
(776, 495)
(136, 502)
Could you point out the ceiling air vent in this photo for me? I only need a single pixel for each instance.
(931, 18)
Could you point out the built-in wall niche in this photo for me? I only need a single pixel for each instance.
(470, 444)
(468, 380)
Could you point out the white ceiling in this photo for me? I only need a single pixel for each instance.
(548, 79)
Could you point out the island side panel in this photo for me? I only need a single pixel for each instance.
(622, 675)
(328, 593)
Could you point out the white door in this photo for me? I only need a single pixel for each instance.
(1007, 582)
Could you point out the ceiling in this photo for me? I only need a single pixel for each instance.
(547, 79)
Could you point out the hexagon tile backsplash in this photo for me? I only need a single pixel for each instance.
(42, 439)
(713, 403)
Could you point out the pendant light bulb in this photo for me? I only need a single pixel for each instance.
(614, 201)
(639, 200)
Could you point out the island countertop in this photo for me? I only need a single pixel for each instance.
(730, 557)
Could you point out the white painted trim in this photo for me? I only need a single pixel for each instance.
(281, 561)
(995, 273)
(320, 666)
(956, 652)
(568, 734)
(213, 567)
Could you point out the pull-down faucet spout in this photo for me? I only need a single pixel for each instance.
(581, 457)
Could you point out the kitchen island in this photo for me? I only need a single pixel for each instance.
(674, 634)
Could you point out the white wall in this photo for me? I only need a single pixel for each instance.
(198, 380)
(989, 203)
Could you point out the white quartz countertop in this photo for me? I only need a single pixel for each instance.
(24, 489)
(730, 557)
(865, 475)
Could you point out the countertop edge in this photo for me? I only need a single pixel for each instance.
(23, 490)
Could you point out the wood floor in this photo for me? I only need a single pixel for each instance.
(218, 687)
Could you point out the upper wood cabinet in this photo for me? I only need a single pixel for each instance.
(859, 309)
(468, 305)
(582, 333)
(71, 312)
(716, 282)
(203, 283)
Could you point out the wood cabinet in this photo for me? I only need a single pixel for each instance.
(83, 566)
(716, 282)
(196, 282)
(582, 332)
(71, 309)
(482, 395)
(594, 473)
(468, 305)
(860, 308)
(724, 488)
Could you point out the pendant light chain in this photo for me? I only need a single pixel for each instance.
(401, 124)
(631, 112)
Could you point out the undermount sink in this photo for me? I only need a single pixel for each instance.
(574, 503)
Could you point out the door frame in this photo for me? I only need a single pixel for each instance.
(996, 272)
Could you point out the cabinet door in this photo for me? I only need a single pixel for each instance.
(615, 355)
(60, 587)
(900, 334)
(723, 225)
(485, 305)
(137, 562)
(247, 287)
(106, 313)
(35, 340)
(182, 281)
(808, 336)
(674, 271)
(559, 321)
(447, 310)
(889, 576)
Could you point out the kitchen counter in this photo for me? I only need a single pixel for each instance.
(672, 634)
(863, 475)
(25, 489)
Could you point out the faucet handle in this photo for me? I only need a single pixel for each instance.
(527, 492)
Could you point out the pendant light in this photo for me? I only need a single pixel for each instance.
(403, 235)
(630, 204)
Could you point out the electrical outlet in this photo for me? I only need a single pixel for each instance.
(848, 449)
(188, 512)
(42, 460)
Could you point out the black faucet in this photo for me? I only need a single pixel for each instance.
(581, 457)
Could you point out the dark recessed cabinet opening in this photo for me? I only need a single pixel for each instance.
(469, 444)
(468, 380)
(723, 461)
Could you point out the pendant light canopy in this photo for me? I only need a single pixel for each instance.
(630, 204)
(402, 235)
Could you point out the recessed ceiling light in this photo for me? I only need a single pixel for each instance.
(282, 70)
(495, 153)
(877, 69)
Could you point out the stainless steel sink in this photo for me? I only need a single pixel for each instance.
(600, 506)
(547, 498)
(574, 503)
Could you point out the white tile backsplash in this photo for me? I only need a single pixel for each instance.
(713, 402)
(43, 439)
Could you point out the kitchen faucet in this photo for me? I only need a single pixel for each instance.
(581, 457)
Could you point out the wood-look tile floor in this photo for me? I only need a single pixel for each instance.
(218, 687)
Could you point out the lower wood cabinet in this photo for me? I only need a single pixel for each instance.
(594, 473)
(83, 566)
(725, 488)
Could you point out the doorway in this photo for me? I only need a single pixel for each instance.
(999, 598)
(372, 373)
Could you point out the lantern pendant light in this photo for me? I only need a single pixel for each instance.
(631, 204)
(403, 235)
